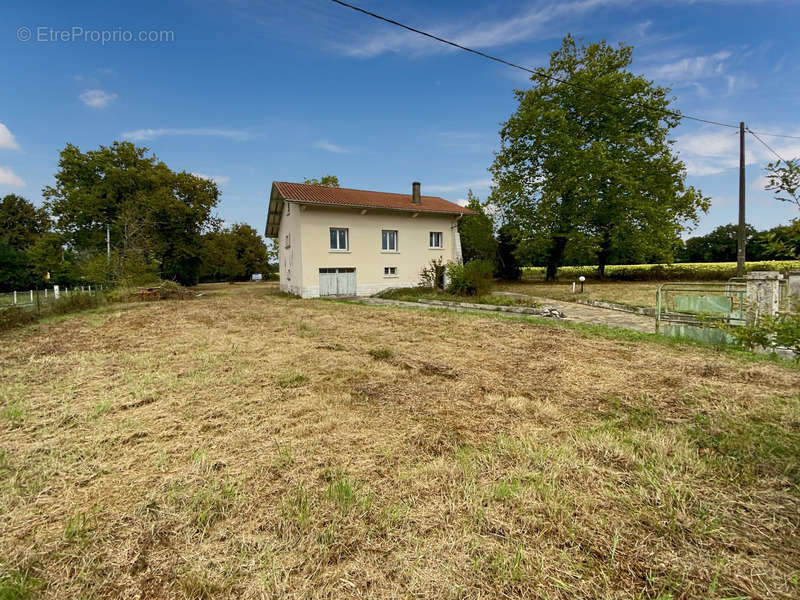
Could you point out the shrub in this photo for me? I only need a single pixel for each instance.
(471, 279)
(15, 316)
(432, 276)
(779, 330)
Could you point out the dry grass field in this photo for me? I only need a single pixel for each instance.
(250, 445)
(632, 293)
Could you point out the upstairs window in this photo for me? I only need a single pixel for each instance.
(339, 239)
(389, 240)
(435, 240)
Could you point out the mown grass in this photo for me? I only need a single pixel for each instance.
(425, 293)
(630, 293)
(170, 451)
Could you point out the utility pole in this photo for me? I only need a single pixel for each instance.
(742, 233)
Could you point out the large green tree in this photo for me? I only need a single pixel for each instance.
(587, 156)
(154, 216)
(233, 253)
(477, 232)
(21, 222)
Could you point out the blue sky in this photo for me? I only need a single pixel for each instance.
(249, 91)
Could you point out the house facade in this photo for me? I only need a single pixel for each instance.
(345, 242)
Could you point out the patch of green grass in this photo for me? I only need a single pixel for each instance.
(102, 408)
(211, 503)
(342, 492)
(13, 412)
(425, 293)
(298, 507)
(506, 489)
(76, 527)
(755, 445)
(290, 379)
(19, 585)
(381, 353)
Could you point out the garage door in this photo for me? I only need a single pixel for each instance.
(337, 281)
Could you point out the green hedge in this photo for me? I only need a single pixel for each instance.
(665, 272)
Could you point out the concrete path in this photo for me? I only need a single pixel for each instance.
(593, 315)
(577, 313)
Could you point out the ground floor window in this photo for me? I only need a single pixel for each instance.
(390, 271)
(436, 239)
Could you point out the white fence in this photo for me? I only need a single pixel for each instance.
(33, 298)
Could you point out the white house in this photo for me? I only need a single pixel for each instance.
(338, 241)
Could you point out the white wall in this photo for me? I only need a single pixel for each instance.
(291, 257)
(365, 253)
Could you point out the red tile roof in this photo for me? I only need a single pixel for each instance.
(320, 194)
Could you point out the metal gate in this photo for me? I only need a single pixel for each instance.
(337, 281)
(695, 310)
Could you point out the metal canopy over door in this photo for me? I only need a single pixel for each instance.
(337, 281)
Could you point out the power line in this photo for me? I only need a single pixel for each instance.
(766, 145)
(541, 73)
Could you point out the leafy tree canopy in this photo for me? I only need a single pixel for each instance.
(155, 215)
(477, 232)
(326, 180)
(21, 222)
(577, 165)
(784, 180)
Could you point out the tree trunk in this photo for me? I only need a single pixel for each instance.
(555, 255)
(602, 254)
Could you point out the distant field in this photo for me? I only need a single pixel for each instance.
(250, 445)
(666, 272)
(631, 293)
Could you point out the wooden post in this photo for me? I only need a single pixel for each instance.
(15, 296)
(742, 232)
(31, 296)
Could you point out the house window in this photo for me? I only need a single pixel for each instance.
(436, 239)
(339, 239)
(288, 240)
(389, 240)
(288, 208)
(390, 271)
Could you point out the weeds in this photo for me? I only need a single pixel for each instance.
(13, 412)
(76, 527)
(19, 585)
(290, 379)
(211, 503)
(381, 353)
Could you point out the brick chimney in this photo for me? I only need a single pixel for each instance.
(415, 197)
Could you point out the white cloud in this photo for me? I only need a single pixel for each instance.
(329, 147)
(8, 177)
(477, 184)
(149, 134)
(97, 98)
(713, 151)
(533, 23)
(7, 140)
(218, 179)
(692, 68)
